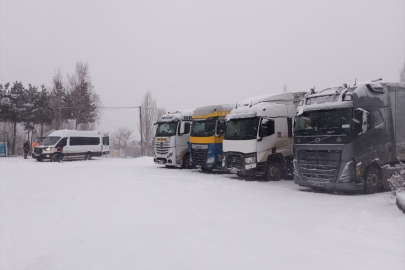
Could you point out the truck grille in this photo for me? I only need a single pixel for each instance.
(319, 165)
(162, 148)
(234, 161)
(199, 156)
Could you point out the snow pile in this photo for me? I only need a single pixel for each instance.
(131, 214)
(397, 184)
(400, 198)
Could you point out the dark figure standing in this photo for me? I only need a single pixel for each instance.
(59, 152)
(26, 148)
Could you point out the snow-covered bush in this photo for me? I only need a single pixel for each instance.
(397, 184)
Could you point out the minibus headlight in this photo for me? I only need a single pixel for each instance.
(48, 149)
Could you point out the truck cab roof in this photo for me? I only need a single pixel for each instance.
(175, 116)
(220, 110)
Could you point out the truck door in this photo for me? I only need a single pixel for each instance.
(267, 139)
(182, 140)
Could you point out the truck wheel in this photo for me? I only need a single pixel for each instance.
(274, 172)
(371, 180)
(186, 162)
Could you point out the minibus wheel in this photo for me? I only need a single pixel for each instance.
(87, 156)
(372, 180)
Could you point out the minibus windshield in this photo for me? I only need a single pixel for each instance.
(50, 141)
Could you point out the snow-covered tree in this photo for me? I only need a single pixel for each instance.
(14, 116)
(120, 139)
(150, 113)
(81, 100)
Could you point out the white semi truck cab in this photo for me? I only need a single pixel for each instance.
(172, 139)
(258, 139)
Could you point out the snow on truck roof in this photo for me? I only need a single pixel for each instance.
(271, 105)
(177, 116)
(262, 109)
(78, 133)
(286, 97)
(213, 111)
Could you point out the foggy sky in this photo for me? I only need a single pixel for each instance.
(195, 53)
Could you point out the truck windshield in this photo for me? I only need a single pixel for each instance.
(327, 122)
(166, 129)
(241, 129)
(50, 141)
(203, 128)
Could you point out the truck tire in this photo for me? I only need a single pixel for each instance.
(186, 162)
(274, 171)
(372, 180)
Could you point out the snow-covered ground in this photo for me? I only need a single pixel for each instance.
(133, 214)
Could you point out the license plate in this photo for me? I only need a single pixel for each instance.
(233, 170)
(318, 184)
(250, 166)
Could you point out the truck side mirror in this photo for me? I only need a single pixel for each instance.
(220, 128)
(182, 128)
(362, 121)
(365, 123)
(266, 128)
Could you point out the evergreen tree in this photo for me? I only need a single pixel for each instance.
(81, 100)
(16, 97)
(30, 109)
(56, 102)
(4, 103)
(43, 114)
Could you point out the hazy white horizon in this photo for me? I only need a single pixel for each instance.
(196, 53)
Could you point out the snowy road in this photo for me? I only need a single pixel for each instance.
(132, 214)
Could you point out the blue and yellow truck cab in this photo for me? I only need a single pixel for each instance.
(207, 133)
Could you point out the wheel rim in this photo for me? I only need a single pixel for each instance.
(275, 171)
(372, 179)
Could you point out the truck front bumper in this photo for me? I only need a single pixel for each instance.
(235, 163)
(329, 185)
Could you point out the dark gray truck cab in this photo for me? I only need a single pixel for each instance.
(350, 138)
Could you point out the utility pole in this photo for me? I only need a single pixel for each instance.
(140, 124)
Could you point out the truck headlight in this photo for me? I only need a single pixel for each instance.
(211, 160)
(348, 172)
(250, 160)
